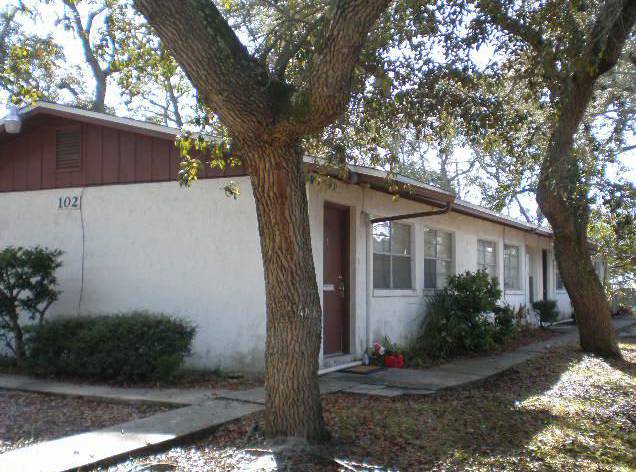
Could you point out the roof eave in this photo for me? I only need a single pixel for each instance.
(103, 119)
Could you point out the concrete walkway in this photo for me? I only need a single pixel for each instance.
(395, 382)
(82, 450)
(175, 396)
(208, 409)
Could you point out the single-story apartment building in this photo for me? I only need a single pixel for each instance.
(103, 189)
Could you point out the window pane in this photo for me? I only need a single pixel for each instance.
(511, 267)
(401, 243)
(381, 271)
(443, 271)
(491, 257)
(444, 245)
(430, 241)
(430, 276)
(381, 237)
(512, 251)
(511, 279)
(486, 256)
(401, 272)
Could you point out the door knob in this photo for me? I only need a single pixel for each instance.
(341, 286)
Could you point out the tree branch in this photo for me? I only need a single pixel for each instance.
(84, 35)
(610, 31)
(91, 17)
(496, 11)
(228, 79)
(291, 49)
(332, 69)
(606, 40)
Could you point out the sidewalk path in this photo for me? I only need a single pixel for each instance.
(394, 382)
(82, 450)
(209, 409)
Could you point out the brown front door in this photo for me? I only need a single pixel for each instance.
(336, 280)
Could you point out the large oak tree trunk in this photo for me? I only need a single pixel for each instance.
(564, 201)
(292, 401)
(266, 118)
(572, 251)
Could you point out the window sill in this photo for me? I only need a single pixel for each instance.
(394, 293)
(431, 291)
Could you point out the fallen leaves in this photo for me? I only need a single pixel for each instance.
(562, 411)
(28, 418)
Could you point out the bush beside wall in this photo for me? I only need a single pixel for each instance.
(129, 347)
(547, 310)
(464, 317)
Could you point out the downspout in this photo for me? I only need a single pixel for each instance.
(369, 277)
(368, 267)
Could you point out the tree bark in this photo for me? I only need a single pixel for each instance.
(593, 314)
(266, 119)
(567, 209)
(99, 100)
(294, 316)
(100, 75)
(18, 339)
(559, 195)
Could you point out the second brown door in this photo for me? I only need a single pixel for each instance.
(335, 281)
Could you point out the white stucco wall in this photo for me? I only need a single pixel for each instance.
(399, 313)
(188, 252)
(195, 253)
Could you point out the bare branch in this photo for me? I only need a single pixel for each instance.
(90, 18)
(227, 77)
(523, 211)
(84, 36)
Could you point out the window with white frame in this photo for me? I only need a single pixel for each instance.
(558, 281)
(487, 257)
(391, 256)
(438, 258)
(512, 268)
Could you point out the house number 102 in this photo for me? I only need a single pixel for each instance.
(68, 202)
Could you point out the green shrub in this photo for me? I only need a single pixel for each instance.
(128, 347)
(506, 322)
(547, 310)
(457, 319)
(28, 287)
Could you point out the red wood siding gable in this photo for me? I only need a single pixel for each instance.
(108, 156)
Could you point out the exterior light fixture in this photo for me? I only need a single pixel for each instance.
(12, 122)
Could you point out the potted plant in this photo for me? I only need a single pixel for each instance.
(387, 354)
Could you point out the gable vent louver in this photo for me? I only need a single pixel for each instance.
(68, 156)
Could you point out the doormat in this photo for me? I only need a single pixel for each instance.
(363, 369)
